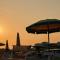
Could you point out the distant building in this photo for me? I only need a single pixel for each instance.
(7, 53)
(17, 46)
(18, 49)
(7, 47)
(18, 40)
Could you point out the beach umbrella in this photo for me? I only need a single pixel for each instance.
(46, 26)
(45, 45)
(41, 46)
(2, 44)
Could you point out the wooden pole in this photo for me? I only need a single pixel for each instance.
(48, 43)
(48, 35)
(48, 38)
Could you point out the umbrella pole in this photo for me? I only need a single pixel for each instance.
(48, 34)
(49, 47)
(48, 38)
(48, 43)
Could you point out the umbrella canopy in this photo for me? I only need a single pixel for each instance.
(46, 45)
(2, 44)
(42, 45)
(44, 26)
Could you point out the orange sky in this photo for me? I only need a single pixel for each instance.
(16, 15)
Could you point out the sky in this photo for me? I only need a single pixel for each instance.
(16, 15)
